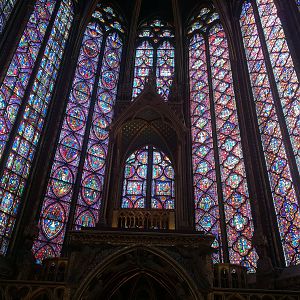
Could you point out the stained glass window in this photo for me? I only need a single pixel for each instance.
(135, 180)
(283, 68)
(143, 66)
(13, 87)
(298, 3)
(82, 147)
(148, 180)
(6, 8)
(154, 54)
(163, 189)
(284, 196)
(90, 195)
(28, 131)
(222, 203)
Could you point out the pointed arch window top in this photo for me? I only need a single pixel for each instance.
(108, 18)
(155, 52)
(203, 20)
(156, 29)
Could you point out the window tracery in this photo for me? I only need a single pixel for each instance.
(222, 204)
(25, 140)
(74, 191)
(155, 53)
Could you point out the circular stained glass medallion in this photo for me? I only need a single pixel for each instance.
(157, 171)
(129, 171)
(112, 58)
(108, 79)
(90, 48)
(62, 181)
(143, 157)
(100, 128)
(53, 220)
(76, 118)
(81, 92)
(105, 103)
(142, 171)
(69, 148)
(86, 68)
(86, 219)
(91, 190)
(169, 172)
(96, 157)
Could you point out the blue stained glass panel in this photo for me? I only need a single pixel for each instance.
(25, 142)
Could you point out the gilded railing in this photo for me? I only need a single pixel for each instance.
(150, 219)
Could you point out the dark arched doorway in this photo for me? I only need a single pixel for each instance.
(142, 287)
(139, 273)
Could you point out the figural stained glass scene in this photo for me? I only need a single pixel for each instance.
(150, 149)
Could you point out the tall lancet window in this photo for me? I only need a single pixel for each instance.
(25, 95)
(74, 191)
(6, 7)
(276, 94)
(148, 180)
(154, 53)
(222, 204)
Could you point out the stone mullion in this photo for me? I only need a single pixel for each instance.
(184, 166)
(179, 70)
(184, 206)
(222, 219)
(278, 106)
(115, 182)
(149, 178)
(258, 183)
(9, 40)
(154, 66)
(105, 192)
(36, 185)
(126, 81)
